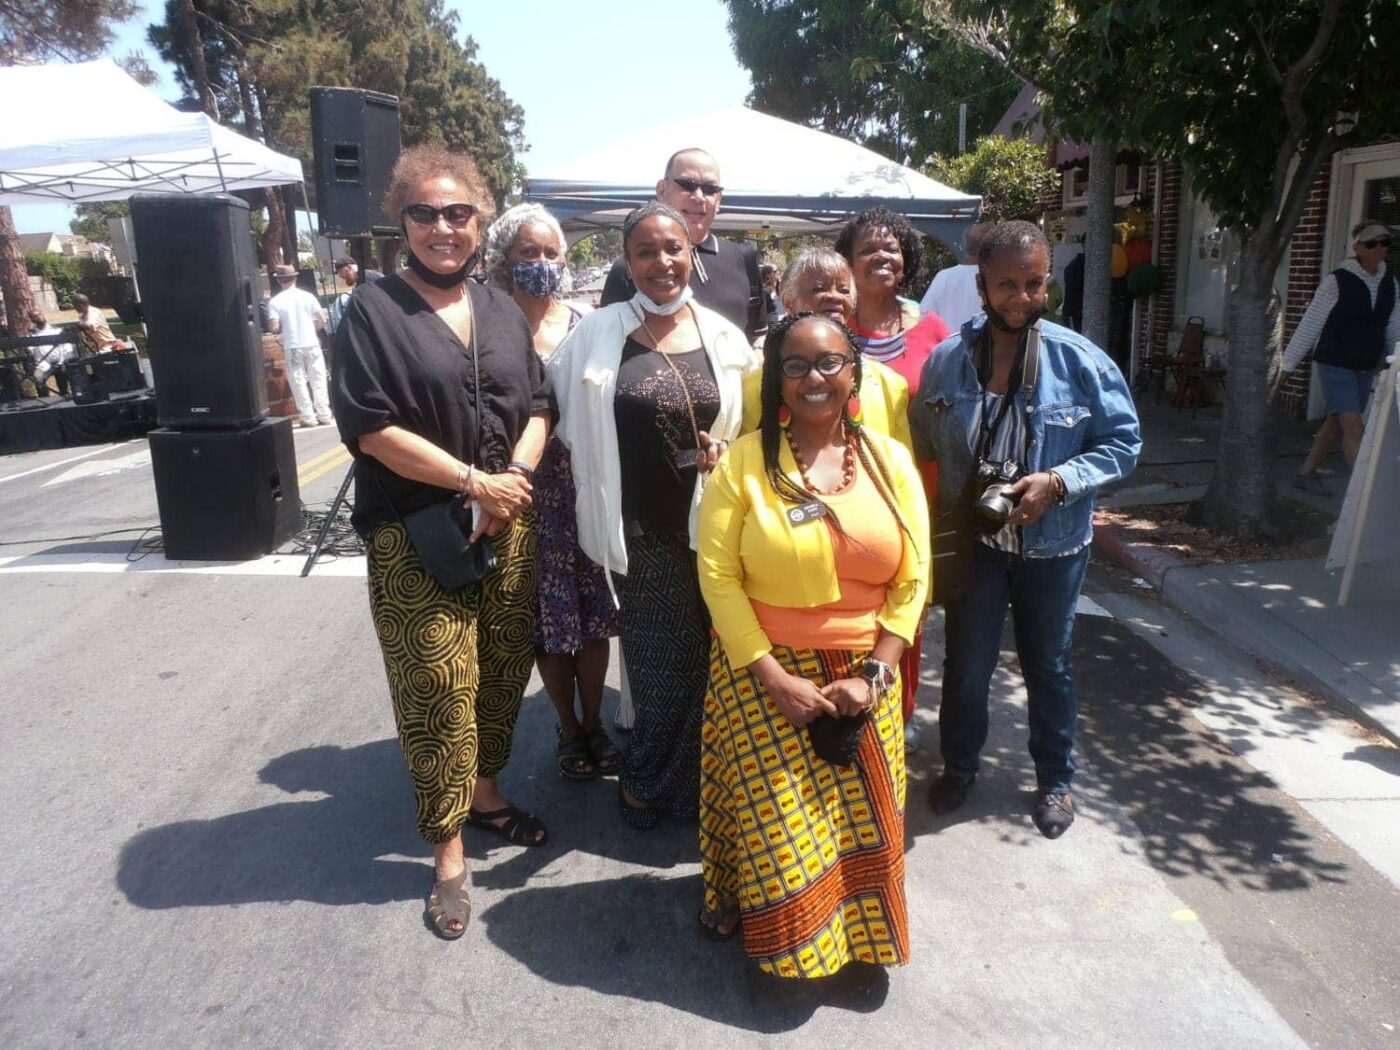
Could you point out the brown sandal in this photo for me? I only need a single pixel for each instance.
(450, 907)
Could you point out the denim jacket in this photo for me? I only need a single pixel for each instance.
(1080, 419)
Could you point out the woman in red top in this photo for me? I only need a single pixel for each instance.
(884, 252)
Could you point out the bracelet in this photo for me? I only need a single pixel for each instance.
(879, 674)
(464, 479)
(523, 469)
(1061, 490)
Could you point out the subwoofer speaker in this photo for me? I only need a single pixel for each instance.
(226, 495)
(197, 270)
(355, 141)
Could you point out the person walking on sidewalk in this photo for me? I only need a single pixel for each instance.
(1051, 412)
(296, 316)
(1354, 321)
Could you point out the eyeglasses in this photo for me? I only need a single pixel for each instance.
(457, 215)
(709, 189)
(828, 365)
(1382, 242)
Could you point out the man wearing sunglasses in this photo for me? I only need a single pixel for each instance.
(1354, 321)
(724, 275)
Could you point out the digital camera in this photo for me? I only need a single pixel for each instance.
(993, 500)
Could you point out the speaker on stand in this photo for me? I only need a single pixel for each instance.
(355, 143)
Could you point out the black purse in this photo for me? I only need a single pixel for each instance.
(440, 532)
(836, 738)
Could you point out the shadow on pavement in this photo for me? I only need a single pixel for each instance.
(1386, 759)
(587, 935)
(1200, 809)
(326, 851)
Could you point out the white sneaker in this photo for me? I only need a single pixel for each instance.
(324, 422)
(307, 424)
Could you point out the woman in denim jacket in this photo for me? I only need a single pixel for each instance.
(1012, 389)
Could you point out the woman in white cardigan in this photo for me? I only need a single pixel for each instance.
(649, 392)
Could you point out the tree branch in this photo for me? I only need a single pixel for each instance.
(1296, 78)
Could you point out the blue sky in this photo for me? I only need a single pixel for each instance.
(580, 76)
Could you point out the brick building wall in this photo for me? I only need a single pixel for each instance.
(1142, 314)
(1305, 258)
(1166, 234)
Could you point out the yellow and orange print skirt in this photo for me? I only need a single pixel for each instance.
(812, 853)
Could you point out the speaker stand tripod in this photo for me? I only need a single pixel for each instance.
(330, 519)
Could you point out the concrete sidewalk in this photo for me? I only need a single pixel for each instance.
(1282, 612)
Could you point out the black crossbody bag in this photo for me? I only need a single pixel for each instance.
(440, 532)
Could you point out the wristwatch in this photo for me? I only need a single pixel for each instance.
(879, 674)
(523, 469)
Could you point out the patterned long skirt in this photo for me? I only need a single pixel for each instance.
(812, 853)
(457, 663)
(665, 643)
(575, 605)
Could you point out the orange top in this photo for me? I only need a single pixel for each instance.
(867, 550)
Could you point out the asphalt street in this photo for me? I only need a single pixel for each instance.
(208, 837)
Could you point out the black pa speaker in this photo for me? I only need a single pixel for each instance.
(226, 495)
(85, 380)
(355, 140)
(197, 271)
(118, 371)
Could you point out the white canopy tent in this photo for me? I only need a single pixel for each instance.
(87, 131)
(778, 177)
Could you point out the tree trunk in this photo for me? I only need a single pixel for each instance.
(274, 235)
(14, 278)
(1240, 497)
(1098, 242)
(201, 69)
(290, 247)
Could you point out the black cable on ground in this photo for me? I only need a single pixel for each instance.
(75, 539)
(342, 541)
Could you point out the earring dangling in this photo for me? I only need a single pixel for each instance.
(784, 416)
(853, 410)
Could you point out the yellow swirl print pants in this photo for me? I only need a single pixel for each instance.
(457, 665)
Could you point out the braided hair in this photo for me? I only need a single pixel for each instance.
(770, 430)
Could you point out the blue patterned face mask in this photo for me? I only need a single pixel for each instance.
(537, 279)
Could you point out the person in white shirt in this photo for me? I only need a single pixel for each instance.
(1354, 322)
(953, 294)
(296, 316)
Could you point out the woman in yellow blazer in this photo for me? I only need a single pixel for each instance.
(813, 557)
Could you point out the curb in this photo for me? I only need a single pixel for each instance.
(1235, 621)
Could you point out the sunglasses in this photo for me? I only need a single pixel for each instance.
(457, 215)
(1378, 242)
(828, 365)
(709, 189)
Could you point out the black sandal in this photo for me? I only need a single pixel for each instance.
(576, 761)
(607, 759)
(712, 929)
(449, 904)
(518, 827)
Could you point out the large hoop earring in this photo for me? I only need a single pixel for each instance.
(853, 409)
(784, 416)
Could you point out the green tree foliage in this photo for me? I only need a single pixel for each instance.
(1010, 175)
(868, 71)
(91, 219)
(59, 30)
(1246, 94)
(62, 273)
(263, 57)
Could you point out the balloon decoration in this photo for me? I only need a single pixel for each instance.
(1120, 261)
(1144, 280)
(1138, 221)
(1139, 251)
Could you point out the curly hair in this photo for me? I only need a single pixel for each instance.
(500, 238)
(911, 245)
(771, 431)
(823, 260)
(430, 161)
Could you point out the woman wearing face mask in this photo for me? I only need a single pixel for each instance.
(525, 255)
(814, 563)
(443, 403)
(649, 392)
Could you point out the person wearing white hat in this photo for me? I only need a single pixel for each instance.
(296, 315)
(1353, 320)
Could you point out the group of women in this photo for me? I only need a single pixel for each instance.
(749, 521)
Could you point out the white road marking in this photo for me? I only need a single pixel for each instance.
(1089, 607)
(101, 468)
(103, 563)
(59, 463)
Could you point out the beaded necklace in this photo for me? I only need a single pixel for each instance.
(848, 464)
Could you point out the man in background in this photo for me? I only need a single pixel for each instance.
(953, 294)
(725, 275)
(296, 316)
(94, 332)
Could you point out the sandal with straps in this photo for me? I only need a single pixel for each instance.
(517, 827)
(575, 756)
(607, 759)
(450, 907)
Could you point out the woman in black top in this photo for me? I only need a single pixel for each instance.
(407, 404)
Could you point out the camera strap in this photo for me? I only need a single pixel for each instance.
(1025, 371)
